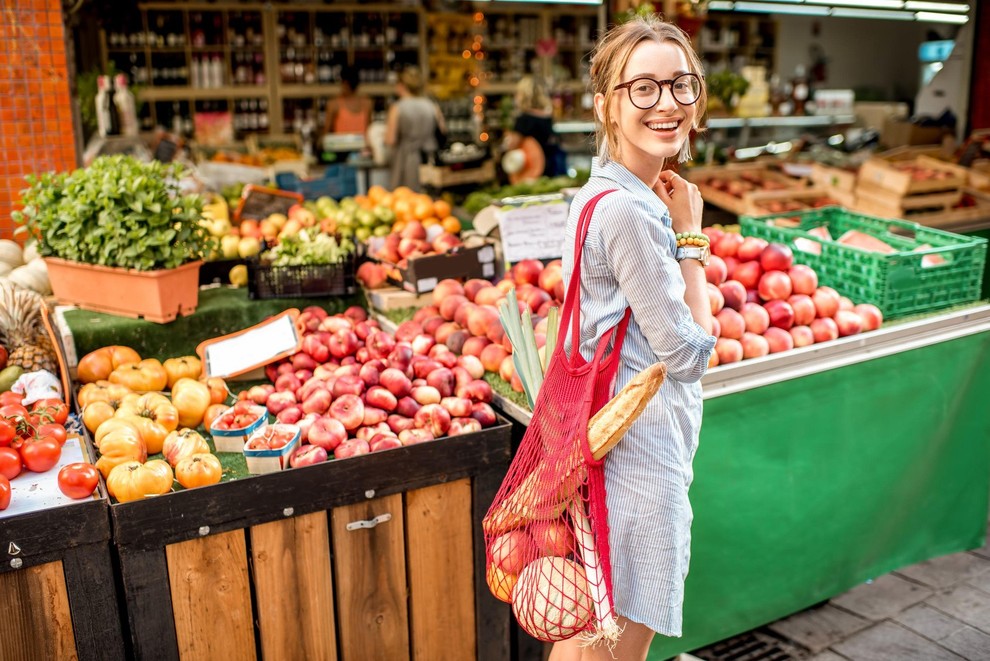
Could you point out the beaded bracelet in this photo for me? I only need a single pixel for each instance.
(691, 239)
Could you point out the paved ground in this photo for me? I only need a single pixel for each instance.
(935, 610)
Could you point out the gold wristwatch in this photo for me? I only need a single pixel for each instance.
(700, 253)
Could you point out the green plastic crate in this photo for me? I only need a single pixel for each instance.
(897, 283)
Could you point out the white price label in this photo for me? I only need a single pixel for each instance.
(533, 232)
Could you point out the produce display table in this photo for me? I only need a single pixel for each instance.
(221, 310)
(826, 466)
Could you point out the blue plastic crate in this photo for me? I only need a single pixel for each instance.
(338, 181)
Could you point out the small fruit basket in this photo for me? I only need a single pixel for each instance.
(901, 267)
(305, 265)
(268, 450)
(233, 428)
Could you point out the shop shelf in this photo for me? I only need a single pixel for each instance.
(930, 269)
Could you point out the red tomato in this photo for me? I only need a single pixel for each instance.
(243, 407)
(78, 480)
(4, 493)
(13, 411)
(41, 454)
(10, 463)
(7, 432)
(258, 443)
(10, 397)
(54, 430)
(54, 408)
(245, 420)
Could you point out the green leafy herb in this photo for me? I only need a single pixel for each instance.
(117, 212)
(304, 248)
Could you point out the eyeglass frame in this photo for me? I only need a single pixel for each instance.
(661, 84)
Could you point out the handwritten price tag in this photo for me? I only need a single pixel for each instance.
(535, 231)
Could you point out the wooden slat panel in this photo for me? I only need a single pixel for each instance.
(89, 580)
(35, 621)
(294, 588)
(211, 600)
(370, 565)
(441, 572)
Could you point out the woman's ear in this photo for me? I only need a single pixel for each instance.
(600, 107)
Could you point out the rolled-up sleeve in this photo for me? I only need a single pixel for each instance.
(639, 250)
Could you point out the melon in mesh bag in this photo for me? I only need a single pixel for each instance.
(552, 600)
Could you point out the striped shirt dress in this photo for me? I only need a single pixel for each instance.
(628, 260)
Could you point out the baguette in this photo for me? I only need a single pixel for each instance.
(532, 501)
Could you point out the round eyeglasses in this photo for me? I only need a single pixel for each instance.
(645, 92)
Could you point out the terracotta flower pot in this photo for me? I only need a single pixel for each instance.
(158, 296)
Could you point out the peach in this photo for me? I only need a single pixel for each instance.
(492, 357)
(551, 276)
(781, 314)
(463, 312)
(804, 309)
(804, 280)
(715, 298)
(445, 288)
(482, 318)
(754, 346)
(734, 294)
(778, 339)
(756, 317)
(444, 331)
(802, 336)
(513, 551)
(507, 369)
(846, 304)
(473, 286)
(732, 324)
(871, 316)
(748, 274)
(774, 285)
(716, 271)
(527, 271)
(425, 313)
(489, 295)
(729, 350)
(826, 301)
(751, 248)
(473, 346)
(848, 322)
(553, 537)
(776, 257)
(824, 329)
(727, 245)
(449, 305)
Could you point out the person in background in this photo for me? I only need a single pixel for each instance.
(350, 112)
(535, 121)
(411, 129)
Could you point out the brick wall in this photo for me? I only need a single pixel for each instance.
(36, 132)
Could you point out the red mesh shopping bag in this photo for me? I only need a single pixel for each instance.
(546, 533)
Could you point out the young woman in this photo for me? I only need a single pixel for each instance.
(411, 128)
(351, 111)
(649, 95)
(535, 121)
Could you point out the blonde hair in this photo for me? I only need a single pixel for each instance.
(609, 61)
(412, 78)
(531, 95)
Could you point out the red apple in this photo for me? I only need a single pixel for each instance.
(729, 350)
(748, 274)
(826, 301)
(781, 313)
(754, 346)
(751, 248)
(804, 309)
(512, 551)
(327, 433)
(774, 285)
(804, 280)
(716, 271)
(349, 409)
(756, 317)
(778, 339)
(871, 316)
(351, 448)
(776, 257)
(848, 322)
(802, 336)
(732, 324)
(824, 329)
(734, 294)
(715, 298)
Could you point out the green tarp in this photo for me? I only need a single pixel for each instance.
(805, 488)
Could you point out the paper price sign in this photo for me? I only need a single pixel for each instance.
(535, 231)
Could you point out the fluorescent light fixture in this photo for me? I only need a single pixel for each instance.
(769, 8)
(720, 5)
(836, 140)
(873, 13)
(921, 5)
(873, 4)
(940, 18)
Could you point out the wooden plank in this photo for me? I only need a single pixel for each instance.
(35, 620)
(144, 577)
(441, 572)
(370, 565)
(493, 616)
(92, 590)
(293, 585)
(211, 598)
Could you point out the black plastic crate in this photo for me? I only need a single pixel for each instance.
(305, 280)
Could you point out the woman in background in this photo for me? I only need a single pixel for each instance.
(411, 129)
(350, 112)
(535, 120)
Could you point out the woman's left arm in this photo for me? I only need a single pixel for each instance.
(392, 126)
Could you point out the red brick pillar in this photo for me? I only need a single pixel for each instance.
(36, 133)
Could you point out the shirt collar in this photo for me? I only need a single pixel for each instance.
(628, 181)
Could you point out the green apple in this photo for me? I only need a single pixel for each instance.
(366, 218)
(382, 230)
(248, 247)
(220, 227)
(229, 246)
(362, 233)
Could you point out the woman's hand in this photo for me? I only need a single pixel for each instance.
(683, 200)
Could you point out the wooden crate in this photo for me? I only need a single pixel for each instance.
(838, 179)
(743, 176)
(273, 566)
(959, 218)
(880, 174)
(765, 202)
(58, 596)
(393, 298)
(437, 176)
(979, 174)
(883, 202)
(909, 153)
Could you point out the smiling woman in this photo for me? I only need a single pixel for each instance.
(643, 252)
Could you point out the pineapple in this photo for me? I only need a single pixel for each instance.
(22, 331)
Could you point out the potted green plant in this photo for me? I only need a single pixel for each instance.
(119, 236)
(725, 87)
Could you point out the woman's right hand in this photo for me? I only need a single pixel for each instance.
(683, 200)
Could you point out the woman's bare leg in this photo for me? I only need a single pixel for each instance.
(633, 645)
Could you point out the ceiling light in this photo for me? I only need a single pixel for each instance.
(872, 13)
(769, 8)
(921, 5)
(720, 5)
(873, 4)
(941, 18)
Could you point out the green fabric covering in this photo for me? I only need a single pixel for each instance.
(804, 489)
(221, 311)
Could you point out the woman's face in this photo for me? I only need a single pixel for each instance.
(648, 137)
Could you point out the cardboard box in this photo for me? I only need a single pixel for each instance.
(899, 132)
(422, 274)
(393, 298)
